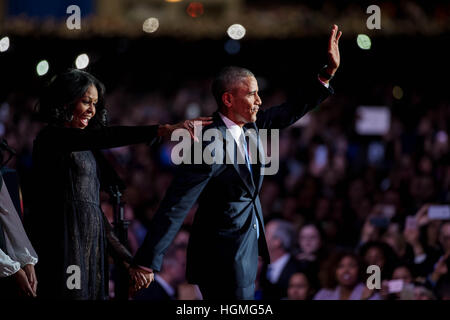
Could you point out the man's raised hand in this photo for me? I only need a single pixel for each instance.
(334, 58)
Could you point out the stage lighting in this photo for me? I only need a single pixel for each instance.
(195, 9)
(173, 0)
(42, 67)
(397, 92)
(150, 25)
(363, 41)
(4, 44)
(236, 31)
(232, 46)
(193, 110)
(82, 61)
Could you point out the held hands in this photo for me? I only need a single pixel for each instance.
(140, 278)
(167, 129)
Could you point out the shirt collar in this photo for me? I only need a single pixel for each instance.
(277, 267)
(235, 130)
(167, 287)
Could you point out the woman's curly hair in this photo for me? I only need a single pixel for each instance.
(59, 97)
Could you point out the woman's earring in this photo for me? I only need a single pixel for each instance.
(103, 116)
(68, 116)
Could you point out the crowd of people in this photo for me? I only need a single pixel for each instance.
(339, 203)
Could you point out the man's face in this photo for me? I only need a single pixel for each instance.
(244, 101)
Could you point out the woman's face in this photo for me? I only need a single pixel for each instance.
(84, 108)
(309, 239)
(403, 274)
(298, 287)
(347, 272)
(375, 256)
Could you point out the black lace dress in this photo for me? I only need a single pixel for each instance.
(87, 239)
(66, 224)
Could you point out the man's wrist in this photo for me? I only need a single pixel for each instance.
(327, 72)
(331, 71)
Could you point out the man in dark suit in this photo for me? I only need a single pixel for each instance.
(280, 235)
(228, 230)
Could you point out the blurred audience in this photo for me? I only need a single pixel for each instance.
(280, 237)
(300, 287)
(369, 195)
(343, 279)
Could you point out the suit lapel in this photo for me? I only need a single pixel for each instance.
(231, 154)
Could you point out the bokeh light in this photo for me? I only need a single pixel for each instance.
(42, 67)
(82, 61)
(397, 92)
(4, 44)
(232, 46)
(193, 110)
(363, 41)
(236, 31)
(150, 25)
(195, 9)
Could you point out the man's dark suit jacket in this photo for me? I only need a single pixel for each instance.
(278, 290)
(223, 246)
(154, 292)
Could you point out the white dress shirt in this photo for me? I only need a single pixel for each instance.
(20, 251)
(236, 132)
(167, 287)
(238, 135)
(275, 268)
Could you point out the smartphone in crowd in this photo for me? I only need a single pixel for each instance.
(372, 120)
(395, 286)
(439, 212)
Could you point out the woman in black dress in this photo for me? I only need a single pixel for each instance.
(66, 223)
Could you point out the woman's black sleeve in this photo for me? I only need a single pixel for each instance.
(115, 248)
(74, 139)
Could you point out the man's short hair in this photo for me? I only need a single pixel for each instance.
(285, 232)
(226, 79)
